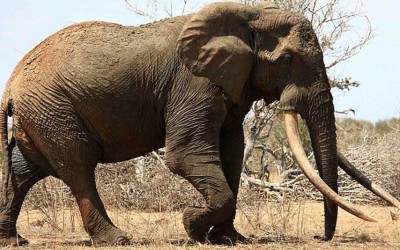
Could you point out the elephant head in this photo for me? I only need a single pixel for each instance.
(276, 54)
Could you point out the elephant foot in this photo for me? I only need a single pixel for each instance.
(226, 234)
(195, 221)
(13, 241)
(112, 237)
(322, 238)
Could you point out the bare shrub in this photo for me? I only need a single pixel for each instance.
(373, 149)
(266, 216)
(53, 199)
(377, 155)
(120, 186)
(154, 189)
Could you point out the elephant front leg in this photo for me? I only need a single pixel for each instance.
(232, 149)
(205, 173)
(193, 152)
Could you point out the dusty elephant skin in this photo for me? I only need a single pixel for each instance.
(101, 92)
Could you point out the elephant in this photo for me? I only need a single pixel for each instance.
(98, 92)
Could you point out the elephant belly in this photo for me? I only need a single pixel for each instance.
(125, 126)
(125, 151)
(130, 137)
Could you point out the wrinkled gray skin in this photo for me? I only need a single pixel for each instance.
(101, 92)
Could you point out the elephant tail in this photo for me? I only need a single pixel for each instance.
(6, 148)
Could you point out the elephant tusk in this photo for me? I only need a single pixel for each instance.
(365, 181)
(308, 170)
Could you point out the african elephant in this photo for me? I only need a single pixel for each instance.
(98, 92)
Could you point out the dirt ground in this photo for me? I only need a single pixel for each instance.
(272, 226)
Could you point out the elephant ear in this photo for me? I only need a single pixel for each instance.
(214, 44)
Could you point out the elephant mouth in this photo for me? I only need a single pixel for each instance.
(291, 127)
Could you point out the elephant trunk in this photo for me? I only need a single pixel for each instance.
(321, 124)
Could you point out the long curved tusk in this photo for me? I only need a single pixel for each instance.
(365, 181)
(301, 158)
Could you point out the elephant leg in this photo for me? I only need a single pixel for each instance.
(193, 152)
(198, 161)
(232, 149)
(73, 153)
(95, 219)
(205, 173)
(78, 174)
(23, 175)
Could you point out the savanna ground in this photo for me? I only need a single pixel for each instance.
(291, 225)
(146, 200)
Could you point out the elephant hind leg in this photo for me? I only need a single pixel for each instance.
(95, 219)
(24, 174)
(76, 168)
(72, 153)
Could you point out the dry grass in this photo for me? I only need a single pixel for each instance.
(288, 225)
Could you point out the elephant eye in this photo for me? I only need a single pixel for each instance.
(287, 59)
